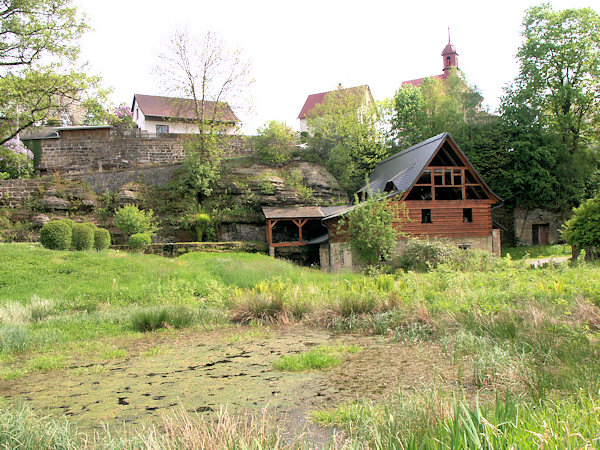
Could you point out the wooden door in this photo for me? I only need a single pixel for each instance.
(539, 233)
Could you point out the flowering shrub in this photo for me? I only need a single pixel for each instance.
(16, 160)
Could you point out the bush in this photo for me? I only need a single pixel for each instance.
(14, 338)
(83, 236)
(101, 239)
(56, 235)
(425, 254)
(16, 161)
(274, 143)
(154, 318)
(131, 220)
(140, 241)
(199, 223)
(583, 229)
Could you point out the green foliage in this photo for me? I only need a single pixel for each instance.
(139, 241)
(16, 161)
(131, 220)
(427, 254)
(151, 319)
(322, 357)
(370, 228)
(583, 229)
(274, 143)
(56, 235)
(14, 338)
(83, 236)
(295, 181)
(265, 184)
(199, 223)
(201, 167)
(101, 239)
(40, 35)
(347, 120)
(552, 109)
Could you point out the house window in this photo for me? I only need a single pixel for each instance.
(425, 216)
(137, 113)
(467, 215)
(160, 129)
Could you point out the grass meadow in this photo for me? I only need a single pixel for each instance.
(526, 340)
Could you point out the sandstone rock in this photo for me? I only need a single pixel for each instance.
(40, 220)
(129, 194)
(71, 196)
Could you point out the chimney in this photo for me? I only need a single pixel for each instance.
(340, 87)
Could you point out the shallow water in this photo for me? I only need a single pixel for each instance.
(232, 366)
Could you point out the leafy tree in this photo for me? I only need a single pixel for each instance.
(373, 228)
(583, 229)
(551, 112)
(16, 161)
(434, 107)
(39, 38)
(274, 143)
(559, 76)
(347, 122)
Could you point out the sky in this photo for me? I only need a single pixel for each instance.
(301, 48)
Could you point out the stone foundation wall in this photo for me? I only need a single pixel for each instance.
(335, 256)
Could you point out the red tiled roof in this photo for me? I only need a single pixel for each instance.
(316, 99)
(417, 81)
(182, 108)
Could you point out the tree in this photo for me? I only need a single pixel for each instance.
(371, 230)
(275, 142)
(452, 105)
(559, 76)
(205, 70)
(583, 229)
(551, 111)
(347, 135)
(436, 106)
(39, 39)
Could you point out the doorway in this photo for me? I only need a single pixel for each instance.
(539, 233)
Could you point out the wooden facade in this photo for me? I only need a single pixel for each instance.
(444, 197)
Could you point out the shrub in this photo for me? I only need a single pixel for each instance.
(425, 254)
(14, 338)
(101, 239)
(370, 228)
(131, 220)
(139, 241)
(199, 223)
(154, 318)
(16, 161)
(83, 236)
(56, 235)
(274, 143)
(583, 229)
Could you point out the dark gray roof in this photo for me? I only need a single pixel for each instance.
(402, 169)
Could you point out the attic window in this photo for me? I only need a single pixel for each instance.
(420, 193)
(446, 156)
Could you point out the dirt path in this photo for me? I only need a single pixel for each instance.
(201, 371)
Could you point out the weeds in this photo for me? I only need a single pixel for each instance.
(152, 319)
(322, 357)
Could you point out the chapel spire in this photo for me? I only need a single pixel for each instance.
(449, 56)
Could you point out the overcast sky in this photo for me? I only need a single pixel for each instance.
(304, 47)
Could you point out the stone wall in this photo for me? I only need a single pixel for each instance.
(117, 153)
(17, 192)
(526, 219)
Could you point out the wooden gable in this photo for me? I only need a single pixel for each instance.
(449, 176)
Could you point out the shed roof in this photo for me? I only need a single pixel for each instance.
(301, 212)
(182, 108)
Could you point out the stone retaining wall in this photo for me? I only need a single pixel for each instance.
(17, 192)
(179, 248)
(117, 153)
